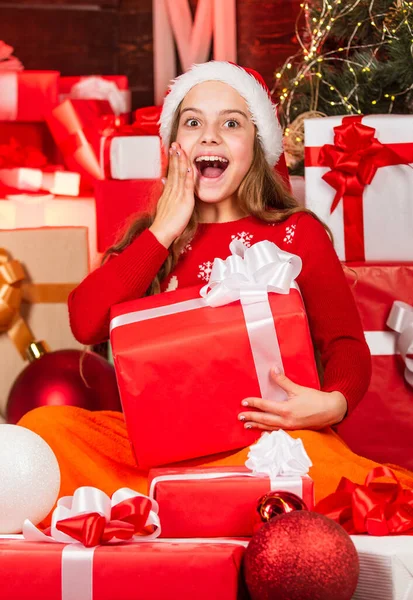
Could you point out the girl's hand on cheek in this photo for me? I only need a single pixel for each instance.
(176, 205)
(305, 408)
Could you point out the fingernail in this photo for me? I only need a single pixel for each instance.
(247, 426)
(241, 417)
(276, 370)
(244, 403)
(163, 180)
(171, 150)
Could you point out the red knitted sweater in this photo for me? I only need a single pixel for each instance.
(334, 321)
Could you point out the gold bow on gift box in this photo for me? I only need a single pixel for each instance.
(13, 291)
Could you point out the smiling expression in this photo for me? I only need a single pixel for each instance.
(216, 132)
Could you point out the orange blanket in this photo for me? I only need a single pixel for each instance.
(93, 448)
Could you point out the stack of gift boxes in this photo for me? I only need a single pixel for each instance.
(359, 179)
(69, 150)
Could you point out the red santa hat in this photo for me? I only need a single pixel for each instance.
(248, 83)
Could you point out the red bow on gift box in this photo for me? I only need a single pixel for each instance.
(92, 518)
(353, 160)
(375, 508)
(127, 519)
(147, 120)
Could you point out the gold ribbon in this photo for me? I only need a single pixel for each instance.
(14, 291)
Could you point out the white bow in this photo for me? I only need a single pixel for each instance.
(401, 320)
(248, 273)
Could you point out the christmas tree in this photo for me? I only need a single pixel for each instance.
(355, 57)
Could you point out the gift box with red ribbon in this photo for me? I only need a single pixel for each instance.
(223, 500)
(381, 426)
(359, 178)
(113, 88)
(186, 359)
(113, 216)
(94, 551)
(27, 95)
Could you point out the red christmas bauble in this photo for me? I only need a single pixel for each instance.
(64, 378)
(276, 503)
(301, 555)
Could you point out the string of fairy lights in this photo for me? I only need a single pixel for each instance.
(311, 56)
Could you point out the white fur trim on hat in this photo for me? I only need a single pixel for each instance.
(262, 110)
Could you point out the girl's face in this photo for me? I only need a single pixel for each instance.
(216, 132)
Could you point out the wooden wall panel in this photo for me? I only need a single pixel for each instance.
(115, 36)
(72, 41)
(63, 3)
(265, 36)
(136, 49)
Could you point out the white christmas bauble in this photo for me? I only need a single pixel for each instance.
(29, 478)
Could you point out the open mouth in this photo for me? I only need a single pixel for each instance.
(211, 167)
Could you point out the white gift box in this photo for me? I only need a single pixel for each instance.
(23, 211)
(386, 567)
(387, 202)
(62, 183)
(135, 157)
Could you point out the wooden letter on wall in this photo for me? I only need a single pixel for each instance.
(172, 21)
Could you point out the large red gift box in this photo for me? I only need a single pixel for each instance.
(27, 95)
(222, 500)
(184, 367)
(140, 571)
(77, 127)
(119, 202)
(381, 426)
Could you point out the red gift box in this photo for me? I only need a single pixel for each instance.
(222, 500)
(77, 127)
(27, 95)
(183, 367)
(381, 426)
(119, 202)
(142, 571)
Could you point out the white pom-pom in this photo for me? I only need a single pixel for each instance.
(29, 478)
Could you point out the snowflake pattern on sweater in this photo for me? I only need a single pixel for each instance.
(205, 270)
(289, 234)
(243, 237)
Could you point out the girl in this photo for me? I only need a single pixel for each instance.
(224, 140)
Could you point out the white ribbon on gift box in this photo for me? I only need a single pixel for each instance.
(387, 343)
(9, 95)
(248, 275)
(77, 560)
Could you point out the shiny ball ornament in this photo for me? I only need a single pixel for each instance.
(278, 503)
(64, 378)
(301, 555)
(29, 478)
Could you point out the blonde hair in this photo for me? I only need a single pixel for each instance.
(262, 194)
